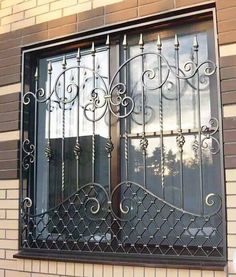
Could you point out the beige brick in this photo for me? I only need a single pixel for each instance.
(8, 224)
(195, 273)
(2, 234)
(128, 271)
(150, 272)
(231, 240)
(78, 8)
(24, 6)
(231, 214)
(231, 227)
(207, 273)
(5, 29)
(70, 269)
(5, 12)
(107, 270)
(42, 2)
(11, 234)
(52, 267)
(10, 89)
(138, 271)
(8, 244)
(98, 269)
(23, 23)
(88, 270)
(44, 266)
(10, 273)
(161, 272)
(2, 214)
(231, 267)
(231, 253)
(59, 4)
(12, 194)
(100, 3)
(35, 266)
(44, 275)
(7, 3)
(9, 204)
(9, 254)
(48, 16)
(228, 50)
(2, 194)
(231, 201)
(12, 18)
(37, 11)
(230, 174)
(9, 184)
(231, 188)
(220, 274)
(12, 214)
(229, 110)
(9, 136)
(79, 269)
(61, 268)
(172, 272)
(28, 265)
(2, 254)
(118, 271)
(183, 273)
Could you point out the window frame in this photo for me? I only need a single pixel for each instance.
(28, 59)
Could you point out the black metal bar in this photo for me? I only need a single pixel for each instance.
(125, 45)
(63, 128)
(180, 138)
(77, 145)
(195, 49)
(143, 142)
(36, 77)
(93, 51)
(159, 48)
(109, 141)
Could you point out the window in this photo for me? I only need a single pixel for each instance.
(121, 152)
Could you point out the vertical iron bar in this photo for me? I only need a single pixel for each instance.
(159, 48)
(180, 138)
(109, 142)
(126, 119)
(94, 108)
(77, 149)
(36, 78)
(48, 148)
(195, 49)
(144, 140)
(63, 128)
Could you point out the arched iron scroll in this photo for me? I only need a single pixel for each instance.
(127, 217)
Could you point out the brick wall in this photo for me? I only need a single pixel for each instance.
(24, 22)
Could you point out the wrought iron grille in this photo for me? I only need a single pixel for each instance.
(144, 181)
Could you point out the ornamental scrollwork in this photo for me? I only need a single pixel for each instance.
(208, 133)
(28, 154)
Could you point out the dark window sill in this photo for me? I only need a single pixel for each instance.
(131, 260)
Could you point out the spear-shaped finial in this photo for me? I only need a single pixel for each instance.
(159, 43)
(36, 74)
(93, 48)
(176, 41)
(141, 43)
(195, 43)
(64, 64)
(108, 41)
(124, 41)
(49, 67)
(78, 55)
